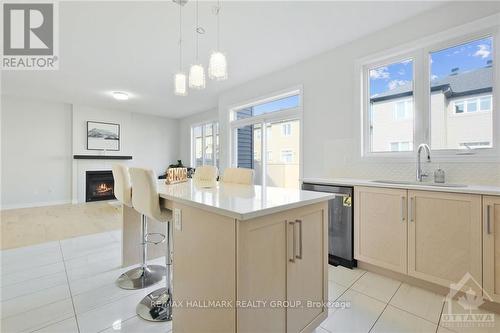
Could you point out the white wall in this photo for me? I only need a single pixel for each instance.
(40, 138)
(331, 119)
(36, 152)
(185, 132)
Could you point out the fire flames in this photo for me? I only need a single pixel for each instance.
(103, 188)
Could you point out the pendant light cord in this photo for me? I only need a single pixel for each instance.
(218, 25)
(196, 30)
(180, 38)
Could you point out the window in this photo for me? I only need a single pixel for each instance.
(461, 75)
(286, 156)
(269, 156)
(279, 104)
(253, 147)
(400, 146)
(442, 95)
(391, 106)
(473, 105)
(286, 129)
(459, 107)
(485, 103)
(472, 145)
(402, 110)
(205, 143)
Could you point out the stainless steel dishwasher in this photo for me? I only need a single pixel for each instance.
(340, 224)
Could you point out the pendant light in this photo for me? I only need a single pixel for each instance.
(217, 68)
(180, 79)
(197, 72)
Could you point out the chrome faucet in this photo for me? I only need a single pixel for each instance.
(420, 174)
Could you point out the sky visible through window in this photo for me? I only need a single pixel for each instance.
(273, 106)
(466, 57)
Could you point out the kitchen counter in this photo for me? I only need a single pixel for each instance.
(241, 243)
(472, 189)
(241, 202)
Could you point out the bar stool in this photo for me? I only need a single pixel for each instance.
(157, 305)
(205, 176)
(144, 275)
(242, 176)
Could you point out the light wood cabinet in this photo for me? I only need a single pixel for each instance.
(491, 246)
(444, 236)
(304, 274)
(283, 257)
(380, 227)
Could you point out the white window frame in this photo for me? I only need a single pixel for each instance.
(419, 51)
(214, 123)
(365, 132)
(264, 119)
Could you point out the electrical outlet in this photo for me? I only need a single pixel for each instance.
(177, 219)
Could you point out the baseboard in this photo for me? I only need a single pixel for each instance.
(35, 204)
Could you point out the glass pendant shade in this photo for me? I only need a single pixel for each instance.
(217, 68)
(196, 77)
(180, 81)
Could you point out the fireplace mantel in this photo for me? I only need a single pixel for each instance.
(102, 157)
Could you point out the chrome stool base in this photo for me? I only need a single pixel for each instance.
(156, 306)
(139, 278)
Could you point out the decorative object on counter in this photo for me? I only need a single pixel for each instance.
(103, 136)
(439, 175)
(178, 165)
(176, 175)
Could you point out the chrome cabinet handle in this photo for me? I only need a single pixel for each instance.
(403, 201)
(299, 222)
(292, 259)
(488, 219)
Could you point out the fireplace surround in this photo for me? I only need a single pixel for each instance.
(99, 185)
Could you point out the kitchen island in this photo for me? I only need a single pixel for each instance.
(246, 258)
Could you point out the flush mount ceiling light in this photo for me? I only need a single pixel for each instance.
(217, 68)
(197, 72)
(120, 95)
(180, 79)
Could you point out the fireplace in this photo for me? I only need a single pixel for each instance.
(99, 185)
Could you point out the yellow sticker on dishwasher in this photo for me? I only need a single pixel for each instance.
(347, 202)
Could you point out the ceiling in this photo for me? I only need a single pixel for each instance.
(132, 46)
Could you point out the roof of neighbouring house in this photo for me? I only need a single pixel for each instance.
(455, 85)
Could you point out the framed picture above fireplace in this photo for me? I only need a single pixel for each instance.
(103, 136)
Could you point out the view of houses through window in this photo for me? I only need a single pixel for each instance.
(460, 104)
(461, 96)
(391, 107)
(280, 164)
(205, 144)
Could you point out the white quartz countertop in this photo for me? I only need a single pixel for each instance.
(474, 189)
(242, 202)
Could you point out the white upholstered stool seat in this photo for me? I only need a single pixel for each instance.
(157, 305)
(144, 275)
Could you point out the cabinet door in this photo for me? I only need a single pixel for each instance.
(307, 268)
(380, 227)
(262, 274)
(444, 236)
(491, 246)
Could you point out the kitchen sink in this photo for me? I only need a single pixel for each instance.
(404, 182)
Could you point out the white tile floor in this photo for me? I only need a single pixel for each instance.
(69, 286)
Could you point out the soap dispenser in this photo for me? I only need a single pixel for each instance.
(439, 176)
